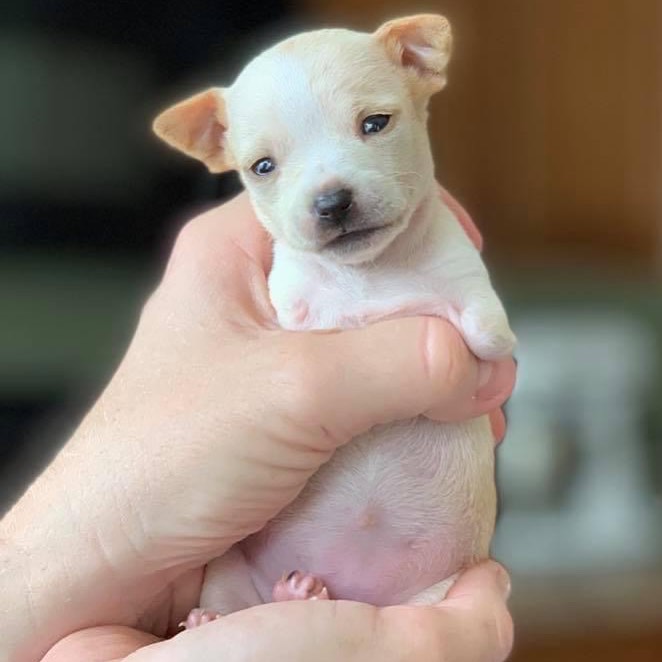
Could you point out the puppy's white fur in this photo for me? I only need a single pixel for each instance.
(396, 513)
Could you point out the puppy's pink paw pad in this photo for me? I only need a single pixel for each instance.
(300, 586)
(300, 311)
(198, 617)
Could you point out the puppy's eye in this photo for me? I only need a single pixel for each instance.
(374, 123)
(264, 166)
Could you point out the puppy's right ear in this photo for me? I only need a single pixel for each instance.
(421, 45)
(197, 126)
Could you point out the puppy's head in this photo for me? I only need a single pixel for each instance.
(328, 132)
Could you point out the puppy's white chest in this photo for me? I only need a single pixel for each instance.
(310, 295)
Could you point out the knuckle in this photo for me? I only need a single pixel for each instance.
(495, 624)
(303, 376)
(195, 258)
(445, 356)
(310, 381)
(432, 639)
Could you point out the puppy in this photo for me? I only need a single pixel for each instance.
(328, 132)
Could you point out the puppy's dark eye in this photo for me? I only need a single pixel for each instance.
(264, 166)
(374, 123)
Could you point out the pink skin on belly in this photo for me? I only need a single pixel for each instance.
(368, 554)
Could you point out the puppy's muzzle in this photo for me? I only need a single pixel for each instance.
(332, 208)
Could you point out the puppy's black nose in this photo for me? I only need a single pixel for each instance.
(333, 207)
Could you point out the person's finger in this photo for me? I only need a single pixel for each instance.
(477, 603)
(110, 643)
(463, 218)
(485, 580)
(214, 248)
(498, 423)
(397, 370)
(330, 630)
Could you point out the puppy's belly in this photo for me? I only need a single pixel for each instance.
(392, 513)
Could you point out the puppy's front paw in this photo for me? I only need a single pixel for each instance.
(488, 333)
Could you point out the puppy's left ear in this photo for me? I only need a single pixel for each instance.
(197, 127)
(422, 45)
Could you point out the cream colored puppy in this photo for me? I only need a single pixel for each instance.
(328, 132)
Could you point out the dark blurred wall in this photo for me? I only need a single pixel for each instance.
(90, 200)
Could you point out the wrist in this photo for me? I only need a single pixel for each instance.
(16, 610)
(60, 570)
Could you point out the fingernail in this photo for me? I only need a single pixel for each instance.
(499, 423)
(503, 581)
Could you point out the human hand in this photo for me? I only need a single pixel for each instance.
(213, 423)
(471, 625)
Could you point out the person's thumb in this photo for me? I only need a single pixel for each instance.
(480, 595)
(485, 578)
(400, 369)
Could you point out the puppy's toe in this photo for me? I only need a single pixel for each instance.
(198, 617)
(300, 586)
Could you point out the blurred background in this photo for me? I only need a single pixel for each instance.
(549, 132)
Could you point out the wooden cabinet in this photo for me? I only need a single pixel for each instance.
(550, 128)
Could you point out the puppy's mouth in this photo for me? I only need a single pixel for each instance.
(350, 238)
